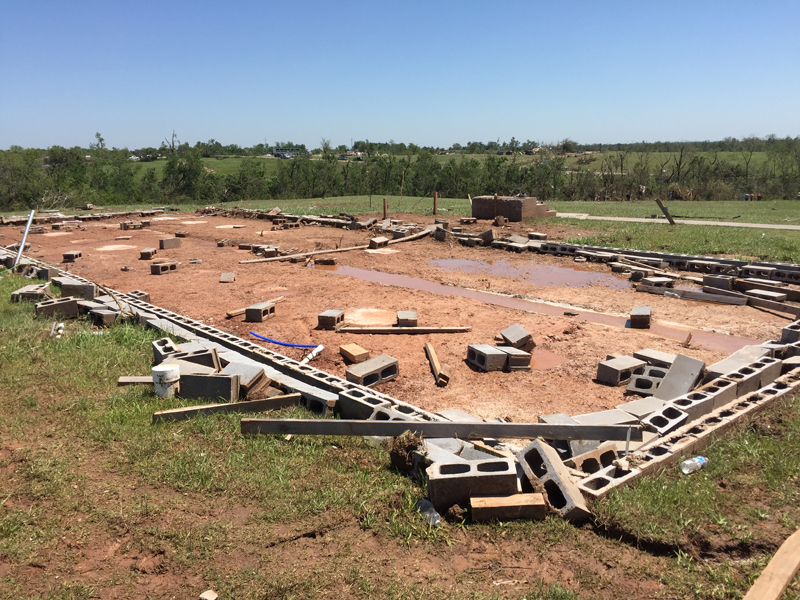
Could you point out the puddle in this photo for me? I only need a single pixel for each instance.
(544, 359)
(113, 247)
(222, 226)
(164, 219)
(381, 251)
(325, 267)
(544, 275)
(713, 341)
(365, 317)
(56, 233)
(193, 222)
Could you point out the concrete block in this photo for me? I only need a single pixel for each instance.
(741, 358)
(86, 291)
(259, 312)
(190, 368)
(766, 295)
(655, 358)
(376, 370)
(516, 336)
(486, 358)
(422, 459)
(47, 273)
(169, 243)
(643, 407)
(607, 417)
(160, 268)
(755, 376)
(506, 508)
(32, 293)
(658, 281)
(722, 282)
(594, 460)
(102, 317)
(85, 306)
(378, 242)
(181, 234)
(140, 295)
(396, 412)
(619, 370)
(208, 358)
(567, 448)
(790, 364)
(694, 404)
(147, 253)
(354, 353)
(71, 256)
(227, 278)
(358, 404)
(518, 360)
(791, 333)
(67, 307)
(251, 376)
(777, 349)
(330, 319)
(547, 473)
(665, 420)
(406, 318)
(197, 347)
(681, 378)
(162, 349)
(723, 390)
(640, 317)
(532, 235)
(456, 483)
(647, 383)
(602, 482)
(214, 386)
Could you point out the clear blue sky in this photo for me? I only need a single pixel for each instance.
(431, 72)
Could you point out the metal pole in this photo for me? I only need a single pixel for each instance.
(24, 237)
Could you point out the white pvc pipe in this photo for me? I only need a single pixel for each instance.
(24, 237)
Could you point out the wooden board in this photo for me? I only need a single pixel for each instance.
(690, 295)
(251, 406)
(441, 429)
(133, 380)
(241, 311)
(442, 378)
(403, 330)
(502, 508)
(744, 285)
(780, 571)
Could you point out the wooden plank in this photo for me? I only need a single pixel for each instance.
(776, 306)
(720, 292)
(460, 430)
(690, 295)
(666, 212)
(743, 285)
(518, 506)
(301, 255)
(404, 330)
(442, 379)
(250, 406)
(241, 311)
(780, 571)
(133, 380)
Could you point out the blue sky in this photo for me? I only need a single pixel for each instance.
(432, 73)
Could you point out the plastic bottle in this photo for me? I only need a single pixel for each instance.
(693, 464)
(431, 516)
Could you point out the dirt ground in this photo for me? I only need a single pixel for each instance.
(447, 284)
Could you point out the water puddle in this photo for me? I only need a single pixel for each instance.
(708, 339)
(544, 359)
(544, 275)
(114, 247)
(325, 267)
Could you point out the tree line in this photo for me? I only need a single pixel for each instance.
(105, 176)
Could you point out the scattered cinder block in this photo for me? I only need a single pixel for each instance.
(741, 358)
(516, 336)
(640, 317)
(647, 383)
(71, 256)
(251, 376)
(354, 353)
(518, 360)
(532, 235)
(358, 404)
(378, 242)
(209, 387)
(722, 282)
(68, 307)
(190, 368)
(169, 243)
(406, 318)
(102, 317)
(47, 273)
(547, 473)
(681, 378)
(655, 358)
(789, 334)
(665, 420)
(694, 404)
(140, 295)
(602, 482)
(376, 370)
(224, 242)
(207, 357)
(607, 417)
(181, 234)
(619, 370)
(86, 306)
(658, 281)
(506, 508)
(162, 349)
(766, 295)
(643, 407)
(259, 312)
(78, 289)
(594, 460)
(567, 448)
(330, 319)
(456, 483)
(32, 293)
(486, 358)
(227, 278)
(147, 253)
(160, 268)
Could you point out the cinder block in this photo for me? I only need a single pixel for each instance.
(766, 295)
(181, 234)
(516, 336)
(607, 417)
(252, 376)
(160, 268)
(71, 256)
(791, 333)
(47, 273)
(162, 349)
(681, 378)
(567, 448)
(741, 358)
(486, 358)
(594, 460)
(378, 242)
(723, 390)
(658, 281)
(547, 473)
(208, 358)
(506, 508)
(406, 318)
(214, 386)
(376, 370)
(518, 360)
(665, 420)
(619, 370)
(602, 482)
(330, 319)
(755, 376)
(190, 368)
(227, 278)
(169, 243)
(140, 295)
(32, 293)
(67, 307)
(647, 383)
(85, 306)
(358, 404)
(694, 404)
(722, 282)
(643, 407)
(102, 317)
(354, 353)
(77, 289)
(259, 312)
(396, 412)
(640, 317)
(532, 235)
(456, 483)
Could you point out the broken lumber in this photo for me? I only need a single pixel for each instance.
(250, 406)
(442, 378)
(241, 311)
(665, 211)
(757, 302)
(743, 285)
(434, 429)
(301, 255)
(133, 380)
(779, 573)
(690, 295)
(407, 330)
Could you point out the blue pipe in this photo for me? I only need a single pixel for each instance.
(266, 339)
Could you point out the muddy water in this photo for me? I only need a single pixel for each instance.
(544, 275)
(713, 341)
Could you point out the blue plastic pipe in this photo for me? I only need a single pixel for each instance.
(266, 339)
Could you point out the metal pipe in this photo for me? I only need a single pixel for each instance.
(24, 237)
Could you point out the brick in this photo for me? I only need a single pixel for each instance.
(516, 336)
(259, 312)
(640, 317)
(78, 289)
(227, 278)
(169, 243)
(103, 317)
(619, 370)
(160, 268)
(354, 353)
(330, 319)
(518, 360)
(655, 358)
(147, 253)
(547, 472)
(67, 307)
(406, 318)
(456, 483)
(376, 370)
(213, 386)
(681, 377)
(378, 242)
(505, 508)
(486, 358)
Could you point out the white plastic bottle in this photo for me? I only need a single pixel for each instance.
(431, 516)
(693, 464)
